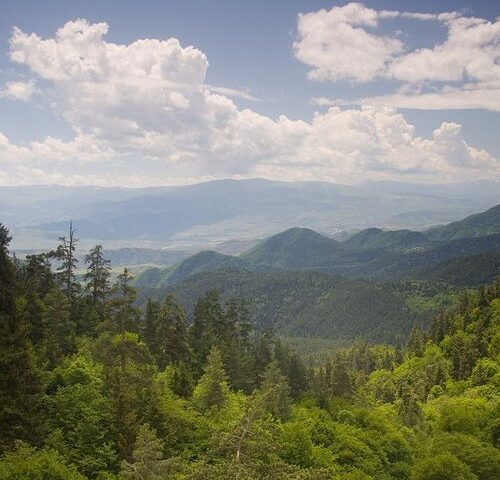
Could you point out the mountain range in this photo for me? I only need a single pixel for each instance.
(303, 283)
(193, 217)
(371, 253)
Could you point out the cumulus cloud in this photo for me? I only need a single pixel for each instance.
(19, 90)
(471, 51)
(346, 43)
(338, 44)
(143, 115)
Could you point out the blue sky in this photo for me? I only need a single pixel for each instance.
(259, 115)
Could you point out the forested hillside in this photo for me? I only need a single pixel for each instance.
(92, 387)
(302, 283)
(372, 253)
(309, 304)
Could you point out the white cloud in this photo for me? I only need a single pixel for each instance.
(344, 43)
(19, 90)
(469, 96)
(338, 44)
(142, 115)
(471, 52)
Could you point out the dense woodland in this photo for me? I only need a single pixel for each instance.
(93, 387)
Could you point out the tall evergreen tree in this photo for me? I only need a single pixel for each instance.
(237, 348)
(148, 462)
(97, 277)
(122, 315)
(65, 253)
(19, 377)
(212, 389)
(37, 280)
(172, 334)
(209, 327)
(128, 377)
(59, 329)
(275, 389)
(7, 275)
(150, 327)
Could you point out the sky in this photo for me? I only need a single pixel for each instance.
(137, 93)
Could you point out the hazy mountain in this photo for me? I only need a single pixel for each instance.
(206, 261)
(397, 240)
(477, 225)
(208, 214)
(371, 253)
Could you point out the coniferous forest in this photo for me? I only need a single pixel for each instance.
(95, 387)
(249, 240)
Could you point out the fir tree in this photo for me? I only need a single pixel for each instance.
(19, 377)
(147, 458)
(212, 389)
(59, 329)
(65, 253)
(97, 277)
(121, 313)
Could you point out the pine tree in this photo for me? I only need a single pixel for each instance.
(212, 389)
(7, 275)
(19, 378)
(297, 376)
(65, 253)
(147, 458)
(59, 329)
(128, 376)
(172, 334)
(97, 277)
(149, 327)
(275, 389)
(38, 276)
(122, 315)
(37, 281)
(263, 354)
(237, 348)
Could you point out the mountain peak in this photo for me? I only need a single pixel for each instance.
(294, 248)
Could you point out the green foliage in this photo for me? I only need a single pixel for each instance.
(79, 416)
(28, 463)
(212, 389)
(121, 405)
(442, 467)
(59, 329)
(147, 458)
(20, 379)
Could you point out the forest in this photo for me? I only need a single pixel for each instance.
(93, 386)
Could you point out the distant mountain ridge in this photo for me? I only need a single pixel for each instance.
(204, 215)
(372, 253)
(295, 248)
(302, 283)
(477, 225)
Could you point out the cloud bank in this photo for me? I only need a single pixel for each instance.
(142, 114)
(462, 72)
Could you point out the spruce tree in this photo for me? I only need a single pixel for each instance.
(59, 329)
(97, 277)
(19, 378)
(65, 253)
(172, 334)
(149, 327)
(276, 392)
(212, 389)
(121, 313)
(147, 458)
